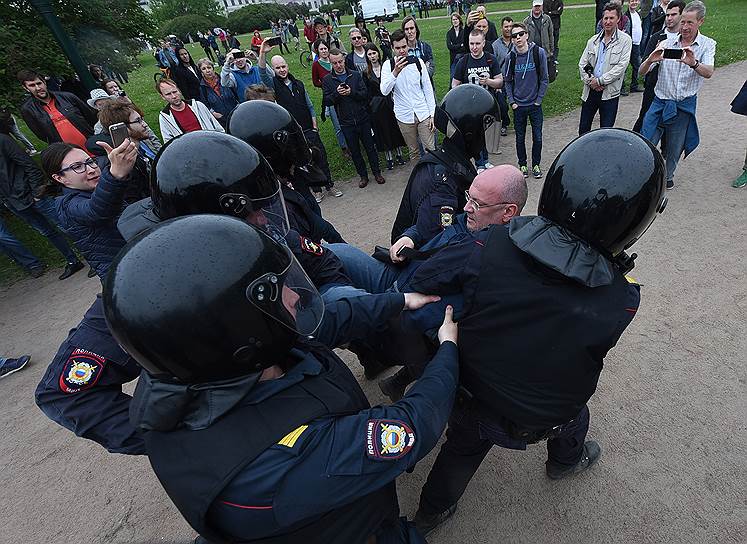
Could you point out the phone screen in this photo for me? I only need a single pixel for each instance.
(238, 55)
(274, 41)
(673, 53)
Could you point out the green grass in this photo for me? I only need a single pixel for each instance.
(722, 23)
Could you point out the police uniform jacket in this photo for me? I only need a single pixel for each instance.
(434, 193)
(316, 464)
(537, 327)
(82, 387)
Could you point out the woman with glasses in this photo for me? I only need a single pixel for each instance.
(92, 199)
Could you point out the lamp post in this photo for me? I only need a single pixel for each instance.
(44, 7)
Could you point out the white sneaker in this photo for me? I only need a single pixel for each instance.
(481, 170)
(318, 197)
(334, 191)
(488, 166)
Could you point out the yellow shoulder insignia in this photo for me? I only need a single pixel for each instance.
(289, 440)
(631, 279)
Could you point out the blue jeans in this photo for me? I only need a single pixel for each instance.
(332, 114)
(13, 247)
(42, 216)
(363, 270)
(532, 113)
(482, 160)
(607, 111)
(674, 144)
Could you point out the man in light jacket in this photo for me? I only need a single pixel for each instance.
(602, 68)
(539, 26)
(179, 115)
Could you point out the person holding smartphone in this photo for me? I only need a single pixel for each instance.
(238, 73)
(92, 199)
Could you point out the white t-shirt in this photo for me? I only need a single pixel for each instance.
(636, 28)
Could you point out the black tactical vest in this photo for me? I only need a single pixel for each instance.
(195, 466)
(533, 345)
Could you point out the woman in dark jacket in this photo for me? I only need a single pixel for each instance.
(187, 75)
(360, 24)
(92, 199)
(219, 99)
(386, 130)
(455, 40)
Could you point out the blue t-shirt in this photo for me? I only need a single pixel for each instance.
(522, 87)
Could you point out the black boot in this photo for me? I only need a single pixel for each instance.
(394, 386)
(70, 269)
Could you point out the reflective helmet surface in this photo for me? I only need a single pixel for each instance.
(606, 187)
(465, 113)
(206, 298)
(213, 172)
(273, 131)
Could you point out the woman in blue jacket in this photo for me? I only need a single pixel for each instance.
(220, 99)
(92, 199)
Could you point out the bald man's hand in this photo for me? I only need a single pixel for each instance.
(405, 241)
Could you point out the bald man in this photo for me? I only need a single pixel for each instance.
(494, 198)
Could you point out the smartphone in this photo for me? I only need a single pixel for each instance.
(275, 41)
(672, 54)
(119, 134)
(412, 59)
(238, 55)
(480, 15)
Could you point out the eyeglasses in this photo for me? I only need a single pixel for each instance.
(476, 205)
(138, 121)
(356, 37)
(518, 34)
(80, 167)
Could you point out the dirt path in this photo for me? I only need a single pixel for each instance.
(669, 411)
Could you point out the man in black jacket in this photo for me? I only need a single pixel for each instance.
(20, 185)
(55, 116)
(346, 91)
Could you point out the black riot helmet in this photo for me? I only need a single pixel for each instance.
(212, 172)
(273, 131)
(465, 113)
(231, 309)
(606, 187)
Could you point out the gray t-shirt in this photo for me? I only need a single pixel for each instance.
(360, 62)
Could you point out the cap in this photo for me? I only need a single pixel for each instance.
(537, 3)
(98, 94)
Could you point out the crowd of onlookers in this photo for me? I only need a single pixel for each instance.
(376, 88)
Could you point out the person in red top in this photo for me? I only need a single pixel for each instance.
(256, 41)
(309, 33)
(55, 116)
(179, 115)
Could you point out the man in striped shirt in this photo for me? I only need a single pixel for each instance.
(673, 109)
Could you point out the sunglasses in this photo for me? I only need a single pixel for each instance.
(518, 34)
(356, 37)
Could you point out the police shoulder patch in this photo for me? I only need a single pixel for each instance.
(447, 216)
(310, 246)
(81, 371)
(388, 439)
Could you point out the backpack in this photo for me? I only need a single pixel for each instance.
(535, 57)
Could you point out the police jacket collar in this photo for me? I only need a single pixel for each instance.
(160, 405)
(558, 249)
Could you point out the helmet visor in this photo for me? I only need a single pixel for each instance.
(289, 297)
(266, 213)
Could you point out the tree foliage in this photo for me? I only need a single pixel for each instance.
(186, 24)
(165, 10)
(106, 32)
(258, 16)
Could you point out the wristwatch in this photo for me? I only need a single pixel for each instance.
(697, 63)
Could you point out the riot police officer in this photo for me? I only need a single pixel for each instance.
(435, 190)
(546, 301)
(257, 431)
(271, 130)
(82, 387)
(213, 172)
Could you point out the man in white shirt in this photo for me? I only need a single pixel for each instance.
(414, 102)
(672, 113)
(636, 34)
